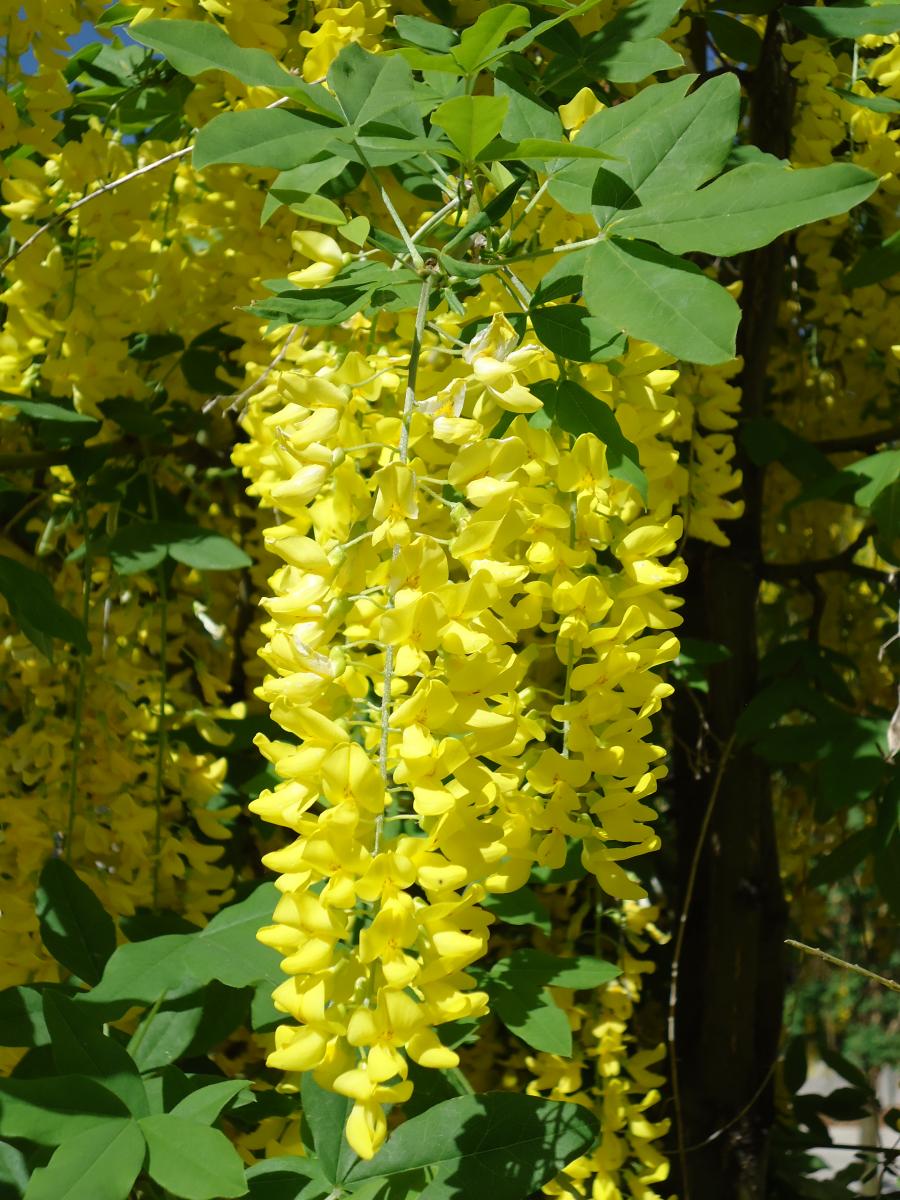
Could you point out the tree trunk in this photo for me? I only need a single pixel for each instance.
(731, 978)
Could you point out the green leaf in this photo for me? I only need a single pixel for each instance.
(532, 1015)
(117, 14)
(191, 1160)
(577, 411)
(98, 1164)
(205, 1105)
(226, 950)
(564, 278)
(879, 104)
(150, 347)
(525, 117)
(356, 231)
(75, 927)
(535, 968)
(306, 179)
(22, 1016)
(79, 1048)
(35, 610)
(844, 859)
(370, 86)
(641, 19)
(471, 122)
(748, 207)
(310, 206)
(845, 22)
(630, 62)
(537, 32)
(683, 145)
(738, 41)
(522, 907)
(572, 187)
(876, 264)
(419, 32)
(510, 1144)
(653, 296)
(326, 1114)
(766, 440)
(13, 1172)
(625, 50)
(284, 1177)
(480, 40)
(189, 1025)
(45, 410)
(144, 545)
(263, 137)
(205, 550)
(193, 47)
(879, 471)
(539, 149)
(49, 1111)
(570, 331)
(314, 306)
(886, 511)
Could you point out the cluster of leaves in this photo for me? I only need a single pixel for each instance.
(94, 1111)
(636, 168)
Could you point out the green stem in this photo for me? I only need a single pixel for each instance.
(435, 219)
(531, 255)
(417, 260)
(415, 353)
(135, 1043)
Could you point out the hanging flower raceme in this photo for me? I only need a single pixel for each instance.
(463, 640)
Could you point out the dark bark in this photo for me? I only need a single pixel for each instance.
(731, 979)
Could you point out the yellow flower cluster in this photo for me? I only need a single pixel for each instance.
(611, 1073)
(141, 833)
(464, 638)
(143, 827)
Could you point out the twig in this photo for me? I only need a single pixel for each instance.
(860, 441)
(676, 959)
(57, 218)
(108, 187)
(237, 402)
(890, 984)
(734, 1120)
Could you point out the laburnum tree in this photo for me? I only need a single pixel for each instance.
(449, 524)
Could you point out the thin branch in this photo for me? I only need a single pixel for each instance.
(59, 217)
(861, 441)
(890, 984)
(237, 402)
(676, 957)
(108, 187)
(739, 1116)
